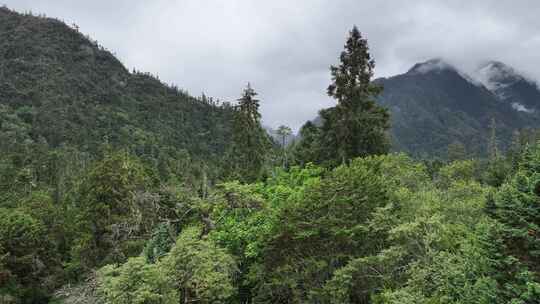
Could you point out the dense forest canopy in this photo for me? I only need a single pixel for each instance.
(116, 188)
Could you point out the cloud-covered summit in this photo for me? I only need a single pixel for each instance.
(432, 65)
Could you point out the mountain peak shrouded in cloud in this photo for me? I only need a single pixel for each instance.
(436, 103)
(495, 74)
(505, 82)
(509, 86)
(432, 65)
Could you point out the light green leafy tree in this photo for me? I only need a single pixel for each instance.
(199, 269)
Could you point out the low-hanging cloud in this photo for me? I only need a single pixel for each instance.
(284, 48)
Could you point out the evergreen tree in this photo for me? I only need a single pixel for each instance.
(160, 243)
(308, 147)
(250, 141)
(106, 215)
(497, 167)
(518, 210)
(515, 150)
(356, 126)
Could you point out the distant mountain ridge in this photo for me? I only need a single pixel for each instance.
(435, 104)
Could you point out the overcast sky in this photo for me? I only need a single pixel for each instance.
(284, 47)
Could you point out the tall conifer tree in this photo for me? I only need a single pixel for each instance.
(356, 126)
(250, 141)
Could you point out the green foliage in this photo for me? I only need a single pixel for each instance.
(516, 206)
(326, 225)
(27, 261)
(456, 151)
(136, 282)
(497, 172)
(245, 217)
(307, 150)
(283, 131)
(465, 170)
(160, 243)
(107, 213)
(202, 271)
(356, 126)
(250, 141)
(195, 270)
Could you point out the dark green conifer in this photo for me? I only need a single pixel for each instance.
(307, 149)
(250, 141)
(356, 126)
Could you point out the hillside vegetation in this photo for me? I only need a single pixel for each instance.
(61, 90)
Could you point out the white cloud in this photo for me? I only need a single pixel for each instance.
(521, 108)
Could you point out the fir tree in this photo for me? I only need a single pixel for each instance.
(356, 126)
(250, 141)
(307, 149)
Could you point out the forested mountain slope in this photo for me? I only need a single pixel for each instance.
(91, 155)
(60, 88)
(434, 105)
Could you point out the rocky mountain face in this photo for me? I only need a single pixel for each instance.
(434, 104)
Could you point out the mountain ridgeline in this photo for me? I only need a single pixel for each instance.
(434, 105)
(60, 89)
